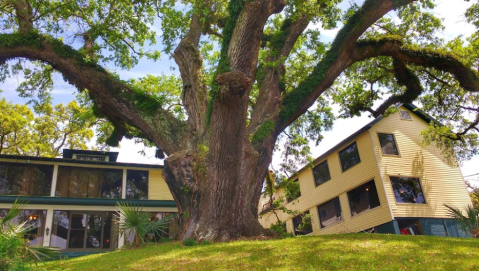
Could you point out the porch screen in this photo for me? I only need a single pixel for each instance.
(80, 182)
(25, 179)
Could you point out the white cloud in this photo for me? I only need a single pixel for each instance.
(454, 19)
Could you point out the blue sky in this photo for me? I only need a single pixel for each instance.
(451, 11)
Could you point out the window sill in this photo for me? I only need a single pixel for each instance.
(365, 211)
(350, 167)
(413, 203)
(391, 155)
(335, 223)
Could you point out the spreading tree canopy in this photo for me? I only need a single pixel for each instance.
(250, 72)
(45, 132)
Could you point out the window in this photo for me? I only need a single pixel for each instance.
(292, 190)
(35, 220)
(407, 190)
(405, 115)
(349, 156)
(321, 173)
(388, 144)
(363, 198)
(329, 212)
(83, 230)
(81, 182)
(25, 179)
(100, 158)
(302, 224)
(137, 184)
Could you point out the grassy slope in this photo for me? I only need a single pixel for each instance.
(333, 252)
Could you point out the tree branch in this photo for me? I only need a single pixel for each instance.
(190, 63)
(436, 78)
(335, 61)
(113, 99)
(406, 78)
(447, 62)
(24, 14)
(269, 97)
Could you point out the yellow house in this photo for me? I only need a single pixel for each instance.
(380, 179)
(71, 200)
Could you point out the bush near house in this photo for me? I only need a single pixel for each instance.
(15, 253)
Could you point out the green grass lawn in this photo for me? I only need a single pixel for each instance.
(332, 252)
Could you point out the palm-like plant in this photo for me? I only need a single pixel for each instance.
(132, 220)
(14, 249)
(469, 219)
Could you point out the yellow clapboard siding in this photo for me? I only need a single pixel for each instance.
(339, 184)
(440, 182)
(158, 190)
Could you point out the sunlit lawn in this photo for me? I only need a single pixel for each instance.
(332, 252)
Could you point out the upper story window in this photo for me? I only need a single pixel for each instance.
(302, 224)
(25, 179)
(349, 156)
(81, 182)
(137, 184)
(321, 173)
(101, 158)
(292, 190)
(405, 115)
(388, 144)
(330, 212)
(407, 190)
(363, 198)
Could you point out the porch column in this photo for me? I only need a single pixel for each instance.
(49, 226)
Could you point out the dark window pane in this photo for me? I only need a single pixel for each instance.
(61, 223)
(88, 230)
(363, 198)
(407, 190)
(108, 242)
(25, 179)
(321, 173)
(137, 184)
(302, 224)
(349, 156)
(94, 231)
(405, 115)
(388, 145)
(79, 182)
(329, 212)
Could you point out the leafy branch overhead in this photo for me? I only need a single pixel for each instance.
(247, 75)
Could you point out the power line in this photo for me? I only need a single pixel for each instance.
(471, 175)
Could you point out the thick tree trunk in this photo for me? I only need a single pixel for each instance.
(216, 202)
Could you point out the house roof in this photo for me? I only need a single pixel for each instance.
(27, 159)
(68, 153)
(368, 126)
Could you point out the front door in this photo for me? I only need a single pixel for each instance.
(75, 230)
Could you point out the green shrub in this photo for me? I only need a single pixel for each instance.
(280, 228)
(15, 253)
(190, 242)
(133, 220)
(205, 243)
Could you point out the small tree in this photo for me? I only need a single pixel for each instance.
(132, 220)
(292, 191)
(15, 253)
(470, 220)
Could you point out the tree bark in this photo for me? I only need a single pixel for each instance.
(212, 206)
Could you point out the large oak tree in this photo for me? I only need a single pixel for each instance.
(250, 70)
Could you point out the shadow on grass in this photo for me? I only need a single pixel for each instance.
(345, 252)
